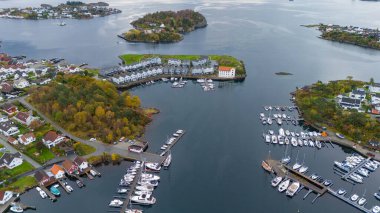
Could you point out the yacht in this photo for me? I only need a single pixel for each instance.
(292, 189)
(115, 203)
(363, 172)
(311, 143)
(304, 169)
(341, 191)
(276, 181)
(168, 160)
(145, 188)
(144, 199)
(153, 166)
(294, 141)
(144, 182)
(122, 190)
(296, 166)
(283, 185)
(342, 166)
(274, 139)
(267, 138)
(376, 209)
(355, 178)
(285, 160)
(133, 211)
(300, 142)
(354, 197)
(362, 201)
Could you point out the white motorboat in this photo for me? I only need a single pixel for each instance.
(43, 194)
(115, 203)
(284, 116)
(305, 143)
(303, 169)
(294, 141)
(137, 192)
(144, 199)
(287, 141)
(271, 132)
(287, 132)
(144, 182)
(362, 201)
(302, 135)
(147, 176)
(68, 187)
(168, 160)
(283, 185)
(300, 142)
(280, 139)
(293, 134)
(274, 139)
(262, 115)
(286, 160)
(341, 191)
(281, 132)
(163, 147)
(267, 138)
(279, 121)
(122, 191)
(153, 166)
(145, 188)
(292, 189)
(200, 80)
(318, 144)
(363, 172)
(133, 211)
(296, 166)
(354, 197)
(376, 209)
(311, 143)
(16, 208)
(269, 121)
(277, 180)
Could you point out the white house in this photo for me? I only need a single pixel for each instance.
(51, 139)
(358, 94)
(24, 117)
(57, 171)
(226, 72)
(349, 103)
(8, 128)
(81, 163)
(375, 99)
(11, 160)
(20, 83)
(3, 118)
(375, 88)
(27, 138)
(5, 196)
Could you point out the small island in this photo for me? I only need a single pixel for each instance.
(347, 107)
(363, 37)
(141, 68)
(283, 73)
(164, 26)
(71, 9)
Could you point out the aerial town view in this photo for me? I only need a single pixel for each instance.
(190, 106)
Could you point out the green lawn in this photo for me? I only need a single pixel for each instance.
(21, 184)
(1, 146)
(223, 60)
(42, 130)
(40, 156)
(9, 173)
(83, 149)
(23, 129)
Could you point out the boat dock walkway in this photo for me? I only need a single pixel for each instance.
(172, 144)
(7, 205)
(348, 201)
(132, 188)
(63, 186)
(308, 183)
(49, 194)
(344, 177)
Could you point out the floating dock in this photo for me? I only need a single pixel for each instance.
(63, 186)
(345, 177)
(132, 188)
(348, 201)
(49, 194)
(173, 143)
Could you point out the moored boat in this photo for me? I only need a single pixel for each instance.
(292, 189)
(266, 166)
(283, 185)
(55, 191)
(115, 203)
(276, 181)
(144, 199)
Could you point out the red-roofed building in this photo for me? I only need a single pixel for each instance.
(226, 72)
(12, 140)
(27, 138)
(24, 117)
(9, 108)
(57, 171)
(51, 139)
(70, 167)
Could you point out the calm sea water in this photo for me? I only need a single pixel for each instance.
(216, 166)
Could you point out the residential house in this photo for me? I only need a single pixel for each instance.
(8, 128)
(24, 117)
(70, 167)
(374, 88)
(9, 108)
(51, 139)
(21, 83)
(349, 103)
(375, 99)
(11, 160)
(5, 196)
(6, 87)
(358, 94)
(174, 62)
(81, 163)
(57, 171)
(3, 118)
(27, 138)
(43, 179)
(374, 144)
(12, 140)
(226, 72)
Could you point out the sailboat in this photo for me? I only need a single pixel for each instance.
(286, 159)
(266, 165)
(362, 200)
(303, 168)
(296, 166)
(294, 141)
(274, 139)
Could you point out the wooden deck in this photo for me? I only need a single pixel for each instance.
(49, 194)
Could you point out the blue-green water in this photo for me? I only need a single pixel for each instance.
(216, 166)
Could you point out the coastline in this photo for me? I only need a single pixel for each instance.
(150, 42)
(347, 42)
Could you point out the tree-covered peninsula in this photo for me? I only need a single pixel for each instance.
(164, 26)
(88, 108)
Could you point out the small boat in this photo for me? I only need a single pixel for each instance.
(280, 139)
(62, 24)
(144, 199)
(362, 201)
(274, 139)
(296, 166)
(303, 169)
(318, 144)
(266, 108)
(327, 182)
(314, 176)
(376, 209)
(55, 191)
(286, 160)
(305, 143)
(279, 121)
(300, 142)
(281, 132)
(284, 185)
(16, 208)
(122, 190)
(284, 116)
(293, 134)
(377, 195)
(163, 147)
(262, 115)
(287, 132)
(267, 138)
(68, 187)
(133, 211)
(276, 181)
(115, 203)
(79, 183)
(294, 141)
(287, 141)
(167, 160)
(266, 166)
(354, 197)
(271, 132)
(341, 191)
(339, 135)
(292, 189)
(311, 143)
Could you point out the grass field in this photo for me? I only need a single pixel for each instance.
(41, 156)
(82, 149)
(21, 184)
(10, 173)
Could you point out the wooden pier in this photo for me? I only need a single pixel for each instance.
(132, 188)
(348, 201)
(63, 186)
(49, 194)
(345, 177)
(308, 183)
(172, 144)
